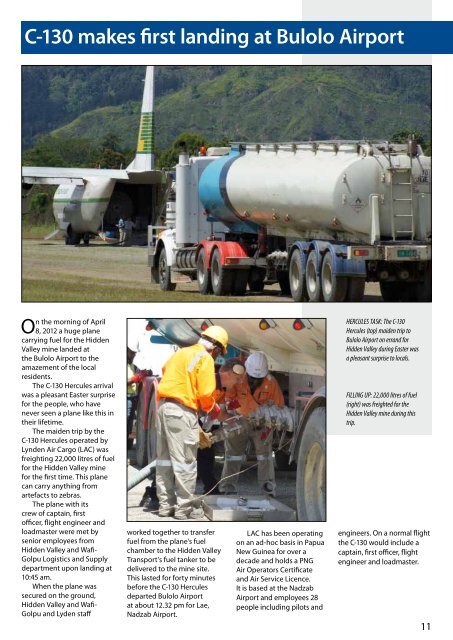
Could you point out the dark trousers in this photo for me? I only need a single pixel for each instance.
(205, 468)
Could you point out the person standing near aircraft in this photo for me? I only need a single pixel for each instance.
(257, 389)
(121, 232)
(188, 385)
(128, 226)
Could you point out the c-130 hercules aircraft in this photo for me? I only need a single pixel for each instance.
(88, 201)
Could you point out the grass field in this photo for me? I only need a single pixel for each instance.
(54, 272)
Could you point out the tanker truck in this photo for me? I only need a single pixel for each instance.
(319, 218)
(295, 350)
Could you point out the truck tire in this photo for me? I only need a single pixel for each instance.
(356, 289)
(155, 275)
(296, 278)
(256, 279)
(141, 434)
(312, 279)
(283, 281)
(221, 278)
(334, 287)
(151, 433)
(424, 288)
(165, 282)
(203, 275)
(311, 469)
(239, 284)
(392, 291)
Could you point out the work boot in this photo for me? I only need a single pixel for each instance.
(149, 501)
(166, 513)
(194, 514)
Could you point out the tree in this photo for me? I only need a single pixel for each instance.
(111, 141)
(55, 151)
(189, 140)
(110, 159)
(404, 134)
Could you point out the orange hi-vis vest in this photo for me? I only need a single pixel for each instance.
(189, 378)
(268, 390)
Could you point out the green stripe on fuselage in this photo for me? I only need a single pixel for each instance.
(81, 200)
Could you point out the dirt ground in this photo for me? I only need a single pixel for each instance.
(54, 272)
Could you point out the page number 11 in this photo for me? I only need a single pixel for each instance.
(426, 626)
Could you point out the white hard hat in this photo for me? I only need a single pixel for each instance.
(256, 365)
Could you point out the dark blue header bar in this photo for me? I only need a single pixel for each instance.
(237, 37)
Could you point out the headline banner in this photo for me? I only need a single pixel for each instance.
(237, 37)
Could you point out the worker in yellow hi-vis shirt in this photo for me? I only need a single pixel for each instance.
(188, 385)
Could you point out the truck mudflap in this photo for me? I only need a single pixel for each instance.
(232, 254)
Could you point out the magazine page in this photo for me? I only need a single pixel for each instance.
(200, 440)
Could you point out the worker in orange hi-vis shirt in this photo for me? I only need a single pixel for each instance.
(188, 385)
(229, 374)
(258, 388)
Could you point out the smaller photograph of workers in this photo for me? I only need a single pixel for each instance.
(226, 419)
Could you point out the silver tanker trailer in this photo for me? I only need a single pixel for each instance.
(319, 218)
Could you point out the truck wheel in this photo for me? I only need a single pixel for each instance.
(283, 281)
(256, 279)
(86, 239)
(334, 287)
(392, 291)
(165, 282)
(141, 447)
(424, 288)
(296, 278)
(221, 278)
(203, 275)
(240, 278)
(312, 279)
(356, 289)
(311, 469)
(151, 440)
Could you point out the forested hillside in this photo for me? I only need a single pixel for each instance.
(263, 103)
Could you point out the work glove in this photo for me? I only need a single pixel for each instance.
(204, 439)
(233, 404)
(265, 434)
(139, 376)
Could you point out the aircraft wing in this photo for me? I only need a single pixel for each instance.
(62, 175)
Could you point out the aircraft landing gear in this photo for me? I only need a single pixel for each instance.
(72, 238)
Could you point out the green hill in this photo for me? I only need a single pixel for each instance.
(248, 103)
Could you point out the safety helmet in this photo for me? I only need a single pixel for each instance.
(218, 335)
(256, 365)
